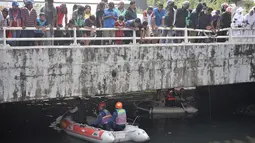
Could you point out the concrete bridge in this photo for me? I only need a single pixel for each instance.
(50, 72)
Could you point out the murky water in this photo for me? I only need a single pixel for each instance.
(25, 123)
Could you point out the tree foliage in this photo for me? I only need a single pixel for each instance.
(215, 4)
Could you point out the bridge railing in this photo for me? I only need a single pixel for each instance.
(233, 35)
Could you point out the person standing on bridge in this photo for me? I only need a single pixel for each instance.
(15, 21)
(51, 16)
(61, 13)
(99, 21)
(182, 15)
(194, 20)
(87, 13)
(168, 21)
(41, 26)
(121, 11)
(119, 33)
(131, 11)
(29, 16)
(159, 13)
(110, 17)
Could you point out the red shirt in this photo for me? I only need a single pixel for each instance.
(61, 15)
(119, 33)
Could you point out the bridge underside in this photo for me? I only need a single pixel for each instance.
(50, 72)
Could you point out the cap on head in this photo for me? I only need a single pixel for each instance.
(43, 14)
(15, 3)
(186, 4)
(118, 105)
(150, 8)
(28, 2)
(170, 2)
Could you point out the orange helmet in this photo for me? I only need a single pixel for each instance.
(118, 105)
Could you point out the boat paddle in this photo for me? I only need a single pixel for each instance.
(71, 111)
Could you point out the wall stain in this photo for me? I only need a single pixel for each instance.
(252, 75)
(155, 67)
(241, 50)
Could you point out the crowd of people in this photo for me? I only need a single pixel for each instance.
(110, 16)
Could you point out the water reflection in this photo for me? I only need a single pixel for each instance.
(30, 124)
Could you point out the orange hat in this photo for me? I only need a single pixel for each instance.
(118, 105)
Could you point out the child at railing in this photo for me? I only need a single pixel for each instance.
(41, 25)
(90, 23)
(119, 33)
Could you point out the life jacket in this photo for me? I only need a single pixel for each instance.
(41, 23)
(170, 96)
(61, 15)
(121, 117)
(107, 118)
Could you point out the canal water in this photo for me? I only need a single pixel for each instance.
(29, 123)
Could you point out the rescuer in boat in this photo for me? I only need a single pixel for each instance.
(104, 119)
(172, 95)
(119, 117)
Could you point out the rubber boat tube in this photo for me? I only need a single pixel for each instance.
(97, 135)
(161, 112)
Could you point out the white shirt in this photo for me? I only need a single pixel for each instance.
(1, 17)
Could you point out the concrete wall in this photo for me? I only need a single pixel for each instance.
(50, 72)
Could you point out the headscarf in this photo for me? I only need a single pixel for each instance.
(238, 17)
(249, 19)
(186, 4)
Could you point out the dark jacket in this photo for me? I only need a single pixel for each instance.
(170, 17)
(130, 14)
(204, 20)
(225, 20)
(181, 16)
(194, 16)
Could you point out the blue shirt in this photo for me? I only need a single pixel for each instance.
(114, 116)
(99, 118)
(158, 16)
(129, 23)
(109, 22)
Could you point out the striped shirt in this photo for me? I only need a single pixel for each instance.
(29, 17)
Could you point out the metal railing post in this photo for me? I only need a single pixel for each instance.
(186, 40)
(75, 36)
(230, 31)
(4, 36)
(134, 36)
